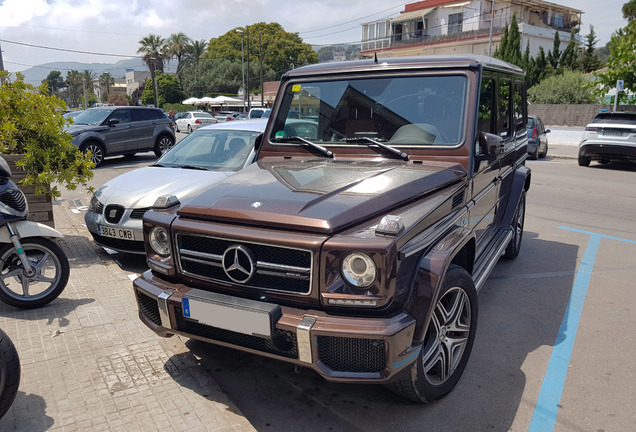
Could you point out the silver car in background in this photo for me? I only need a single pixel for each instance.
(195, 164)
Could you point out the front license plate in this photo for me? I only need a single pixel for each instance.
(120, 233)
(231, 313)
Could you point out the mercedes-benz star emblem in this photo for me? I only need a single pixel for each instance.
(256, 204)
(238, 263)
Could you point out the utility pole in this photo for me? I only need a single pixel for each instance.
(247, 81)
(492, 19)
(1, 65)
(260, 66)
(242, 65)
(84, 89)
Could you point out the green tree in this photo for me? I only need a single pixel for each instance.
(106, 80)
(169, 90)
(325, 54)
(176, 46)
(277, 49)
(74, 84)
(529, 65)
(510, 46)
(153, 49)
(621, 61)
(193, 52)
(571, 87)
(88, 86)
(569, 57)
(31, 123)
(590, 61)
(54, 81)
(555, 55)
(629, 10)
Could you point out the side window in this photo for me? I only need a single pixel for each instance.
(519, 107)
(141, 115)
(504, 109)
(154, 114)
(486, 104)
(123, 115)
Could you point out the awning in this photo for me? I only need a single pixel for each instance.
(408, 16)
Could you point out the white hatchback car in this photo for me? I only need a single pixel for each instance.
(193, 120)
(196, 163)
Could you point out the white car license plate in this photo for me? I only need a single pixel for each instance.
(612, 133)
(224, 312)
(120, 233)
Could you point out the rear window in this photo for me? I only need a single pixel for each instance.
(618, 118)
(530, 122)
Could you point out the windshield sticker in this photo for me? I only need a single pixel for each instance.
(296, 88)
(280, 134)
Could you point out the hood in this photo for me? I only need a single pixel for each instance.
(319, 195)
(77, 129)
(141, 187)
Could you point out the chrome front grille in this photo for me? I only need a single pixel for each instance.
(252, 265)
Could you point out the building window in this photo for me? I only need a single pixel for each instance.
(382, 29)
(455, 23)
(371, 32)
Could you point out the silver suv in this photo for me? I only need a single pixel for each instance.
(114, 130)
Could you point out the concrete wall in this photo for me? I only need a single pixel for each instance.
(570, 115)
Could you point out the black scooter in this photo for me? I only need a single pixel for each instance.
(34, 270)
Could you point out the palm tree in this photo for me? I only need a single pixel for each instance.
(105, 81)
(74, 84)
(88, 84)
(153, 49)
(176, 45)
(193, 52)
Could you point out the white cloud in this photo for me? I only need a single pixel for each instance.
(17, 12)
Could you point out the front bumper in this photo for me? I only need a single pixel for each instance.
(134, 245)
(340, 348)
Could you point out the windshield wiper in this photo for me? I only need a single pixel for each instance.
(379, 144)
(194, 167)
(305, 141)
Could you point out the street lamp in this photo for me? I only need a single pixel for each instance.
(242, 65)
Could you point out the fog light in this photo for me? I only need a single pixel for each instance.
(347, 302)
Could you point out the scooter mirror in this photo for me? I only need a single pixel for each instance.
(5, 171)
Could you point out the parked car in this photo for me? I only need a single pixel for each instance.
(537, 138)
(357, 253)
(256, 112)
(115, 130)
(192, 120)
(610, 136)
(196, 163)
(223, 116)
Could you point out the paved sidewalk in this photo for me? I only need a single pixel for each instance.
(89, 364)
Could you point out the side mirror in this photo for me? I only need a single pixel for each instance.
(489, 146)
(112, 122)
(548, 131)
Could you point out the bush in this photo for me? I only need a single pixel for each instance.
(31, 123)
(569, 88)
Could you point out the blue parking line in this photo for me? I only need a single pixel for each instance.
(547, 408)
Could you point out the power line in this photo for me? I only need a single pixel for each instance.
(352, 21)
(67, 50)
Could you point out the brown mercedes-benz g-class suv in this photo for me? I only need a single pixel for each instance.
(357, 242)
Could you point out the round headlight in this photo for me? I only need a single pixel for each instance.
(358, 270)
(160, 241)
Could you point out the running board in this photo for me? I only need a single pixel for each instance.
(491, 256)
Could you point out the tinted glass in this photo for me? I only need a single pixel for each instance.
(93, 116)
(409, 110)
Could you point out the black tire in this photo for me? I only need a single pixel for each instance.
(448, 341)
(9, 373)
(514, 246)
(163, 144)
(535, 154)
(545, 153)
(48, 281)
(96, 150)
(584, 161)
(189, 129)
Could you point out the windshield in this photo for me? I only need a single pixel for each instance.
(213, 149)
(92, 117)
(400, 111)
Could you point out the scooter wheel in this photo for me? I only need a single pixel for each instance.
(9, 373)
(45, 283)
